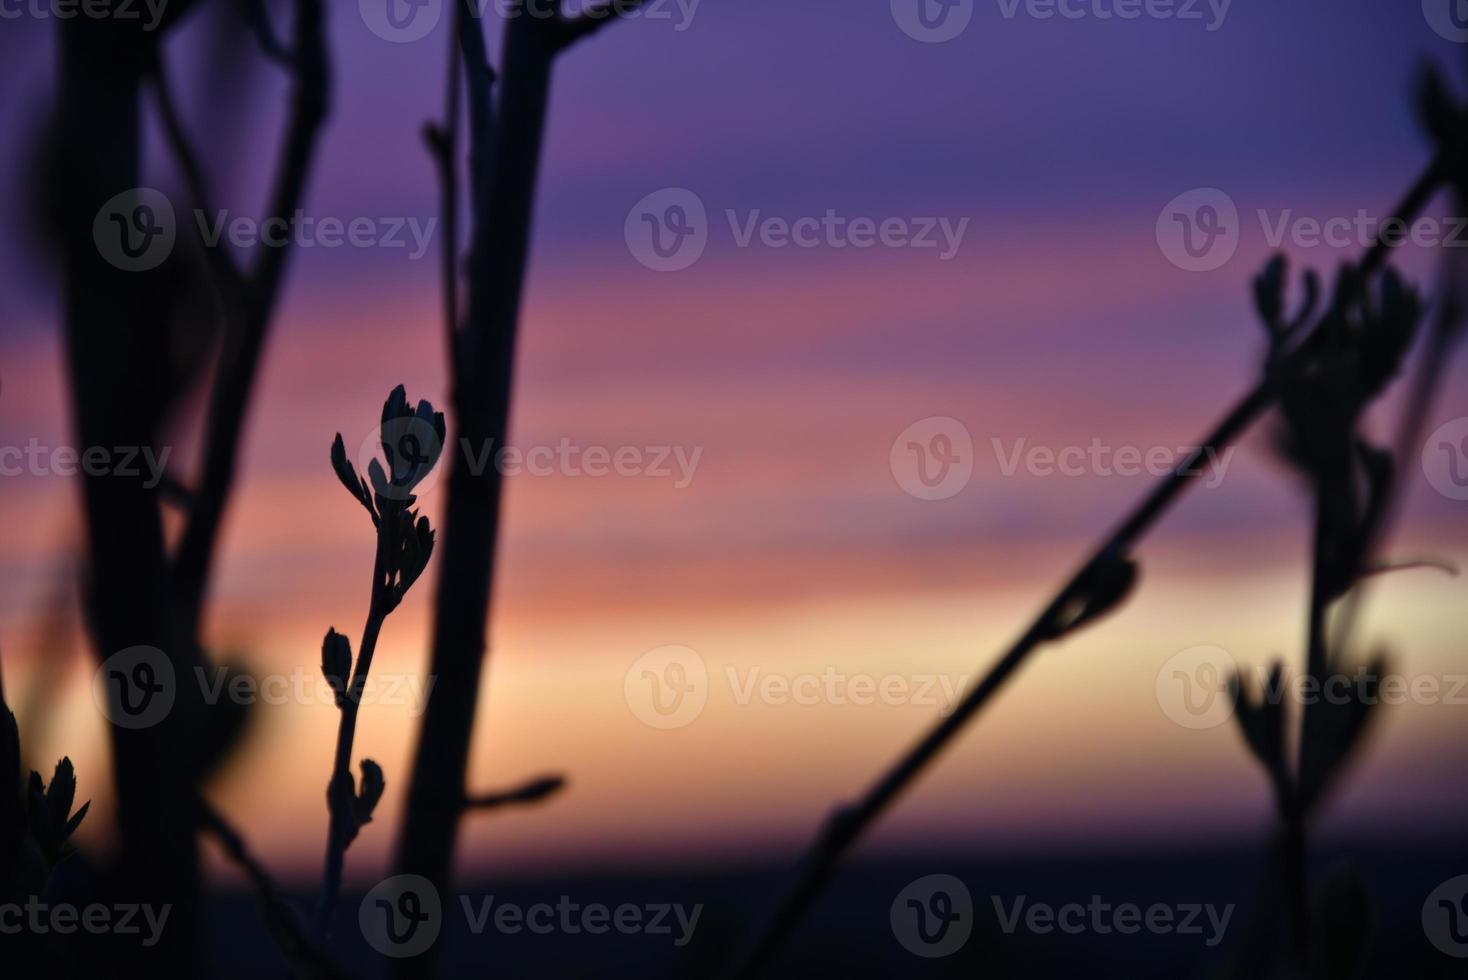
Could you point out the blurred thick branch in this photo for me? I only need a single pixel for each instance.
(506, 115)
(249, 299)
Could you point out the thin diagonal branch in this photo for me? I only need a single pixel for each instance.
(849, 823)
(265, 36)
(229, 282)
(305, 958)
(249, 323)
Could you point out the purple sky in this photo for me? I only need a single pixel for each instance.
(1059, 320)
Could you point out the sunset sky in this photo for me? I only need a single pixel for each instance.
(788, 373)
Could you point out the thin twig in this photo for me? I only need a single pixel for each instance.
(443, 144)
(1445, 333)
(249, 324)
(849, 823)
(534, 791)
(306, 959)
(229, 281)
(339, 792)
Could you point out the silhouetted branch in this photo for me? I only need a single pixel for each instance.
(284, 925)
(270, 44)
(412, 440)
(535, 791)
(443, 146)
(248, 324)
(849, 823)
(505, 141)
(341, 791)
(116, 333)
(230, 282)
(480, 79)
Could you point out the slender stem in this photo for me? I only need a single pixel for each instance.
(1432, 365)
(848, 824)
(1317, 655)
(444, 142)
(307, 960)
(534, 791)
(340, 790)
